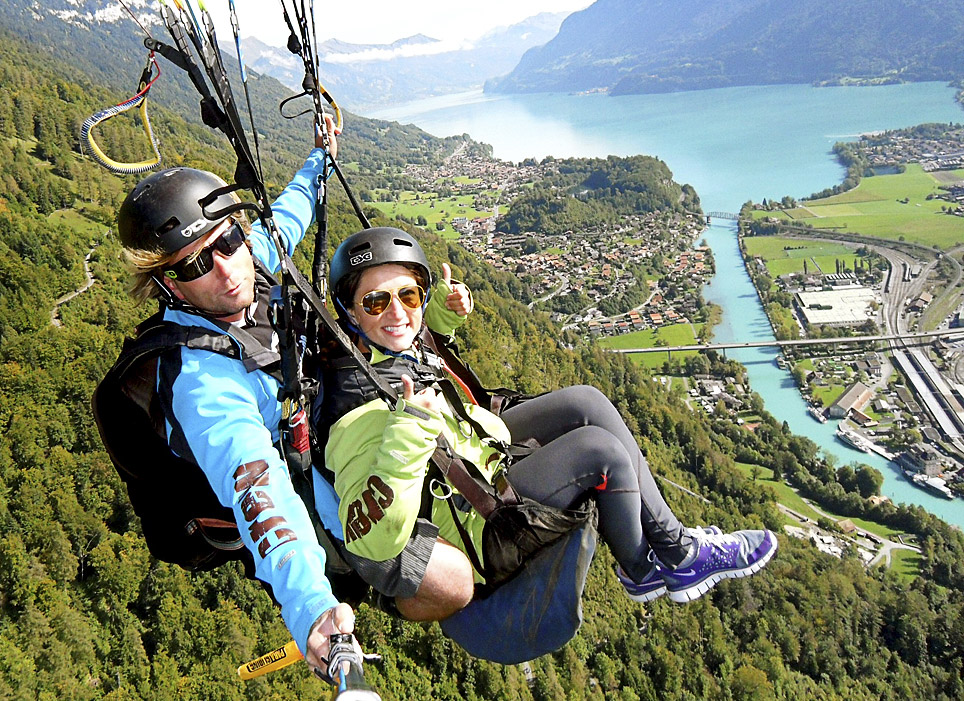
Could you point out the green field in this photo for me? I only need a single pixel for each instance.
(673, 335)
(434, 210)
(784, 255)
(790, 499)
(785, 495)
(76, 221)
(906, 563)
(876, 207)
(828, 394)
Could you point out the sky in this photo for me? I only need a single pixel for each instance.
(384, 21)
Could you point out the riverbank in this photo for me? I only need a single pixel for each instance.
(871, 289)
(859, 384)
(745, 320)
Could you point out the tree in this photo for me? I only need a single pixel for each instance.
(847, 478)
(751, 684)
(869, 481)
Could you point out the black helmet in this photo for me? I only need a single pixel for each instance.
(372, 247)
(163, 211)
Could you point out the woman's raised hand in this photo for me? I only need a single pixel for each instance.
(459, 300)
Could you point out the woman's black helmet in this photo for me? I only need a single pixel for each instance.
(163, 212)
(372, 247)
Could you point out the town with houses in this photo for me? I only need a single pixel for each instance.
(594, 263)
(934, 154)
(597, 264)
(877, 410)
(942, 150)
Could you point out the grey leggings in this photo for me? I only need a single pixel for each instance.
(587, 452)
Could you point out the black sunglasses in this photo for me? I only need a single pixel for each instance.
(377, 301)
(190, 268)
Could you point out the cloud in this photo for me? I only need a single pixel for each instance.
(390, 53)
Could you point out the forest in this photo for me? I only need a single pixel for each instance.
(591, 194)
(86, 613)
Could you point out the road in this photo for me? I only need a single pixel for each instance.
(842, 340)
(884, 549)
(55, 312)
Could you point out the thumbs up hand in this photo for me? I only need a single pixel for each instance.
(427, 398)
(459, 300)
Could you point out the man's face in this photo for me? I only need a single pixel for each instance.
(228, 288)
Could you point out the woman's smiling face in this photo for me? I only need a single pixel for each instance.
(397, 326)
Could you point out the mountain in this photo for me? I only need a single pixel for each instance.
(639, 46)
(364, 76)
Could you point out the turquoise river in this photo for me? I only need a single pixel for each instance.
(732, 145)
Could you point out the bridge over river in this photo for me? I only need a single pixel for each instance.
(723, 215)
(907, 338)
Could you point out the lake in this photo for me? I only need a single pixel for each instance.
(732, 145)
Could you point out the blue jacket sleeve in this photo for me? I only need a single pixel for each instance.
(226, 420)
(218, 416)
(294, 211)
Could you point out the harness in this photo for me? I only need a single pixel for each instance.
(348, 387)
(194, 531)
(132, 380)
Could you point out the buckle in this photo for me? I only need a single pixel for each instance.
(500, 482)
(445, 491)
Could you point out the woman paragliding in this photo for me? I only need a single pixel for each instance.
(410, 533)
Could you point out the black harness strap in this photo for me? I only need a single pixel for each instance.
(158, 334)
(496, 400)
(154, 337)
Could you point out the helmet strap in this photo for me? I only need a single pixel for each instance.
(349, 323)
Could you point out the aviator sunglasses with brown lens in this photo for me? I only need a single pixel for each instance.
(191, 268)
(377, 301)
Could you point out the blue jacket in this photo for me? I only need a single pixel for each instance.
(222, 417)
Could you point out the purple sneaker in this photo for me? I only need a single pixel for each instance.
(723, 556)
(652, 587)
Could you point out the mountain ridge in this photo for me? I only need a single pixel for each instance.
(366, 76)
(623, 46)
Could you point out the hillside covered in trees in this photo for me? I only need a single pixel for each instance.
(647, 46)
(587, 194)
(85, 613)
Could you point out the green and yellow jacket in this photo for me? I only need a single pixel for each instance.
(380, 457)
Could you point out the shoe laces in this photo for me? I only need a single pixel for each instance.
(722, 540)
(718, 541)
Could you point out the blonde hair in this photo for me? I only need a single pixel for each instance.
(146, 265)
